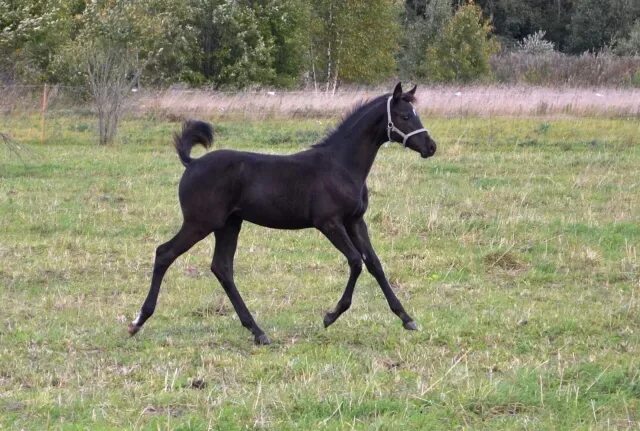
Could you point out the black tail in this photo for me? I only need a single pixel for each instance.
(193, 132)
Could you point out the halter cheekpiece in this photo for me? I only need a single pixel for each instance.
(392, 128)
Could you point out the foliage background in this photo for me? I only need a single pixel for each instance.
(322, 43)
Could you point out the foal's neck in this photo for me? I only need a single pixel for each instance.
(361, 144)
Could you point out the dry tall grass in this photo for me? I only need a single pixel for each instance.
(446, 101)
(439, 101)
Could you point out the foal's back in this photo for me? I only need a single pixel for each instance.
(278, 191)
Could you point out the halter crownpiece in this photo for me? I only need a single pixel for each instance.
(392, 128)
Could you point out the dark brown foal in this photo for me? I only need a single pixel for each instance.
(323, 187)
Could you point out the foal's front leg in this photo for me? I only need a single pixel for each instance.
(360, 236)
(337, 234)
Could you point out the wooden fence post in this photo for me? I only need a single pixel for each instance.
(45, 96)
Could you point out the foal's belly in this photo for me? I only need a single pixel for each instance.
(276, 223)
(275, 211)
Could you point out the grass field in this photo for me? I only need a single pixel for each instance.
(515, 249)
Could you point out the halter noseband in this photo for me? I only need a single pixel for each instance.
(392, 128)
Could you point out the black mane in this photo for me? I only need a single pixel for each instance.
(353, 116)
(350, 119)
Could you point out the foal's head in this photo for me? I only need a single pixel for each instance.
(405, 126)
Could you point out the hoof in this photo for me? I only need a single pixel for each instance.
(410, 325)
(133, 329)
(262, 340)
(329, 318)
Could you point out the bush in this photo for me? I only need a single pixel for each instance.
(462, 52)
(555, 68)
(424, 21)
(535, 44)
(630, 45)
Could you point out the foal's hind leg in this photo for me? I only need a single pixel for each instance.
(166, 254)
(337, 234)
(222, 268)
(358, 233)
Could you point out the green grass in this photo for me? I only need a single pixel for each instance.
(515, 249)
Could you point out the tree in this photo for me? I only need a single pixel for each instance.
(631, 44)
(233, 50)
(286, 24)
(30, 35)
(513, 20)
(422, 22)
(461, 53)
(597, 23)
(116, 42)
(35, 36)
(352, 41)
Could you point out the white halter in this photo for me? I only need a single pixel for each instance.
(392, 128)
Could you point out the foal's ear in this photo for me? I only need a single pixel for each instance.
(397, 92)
(412, 92)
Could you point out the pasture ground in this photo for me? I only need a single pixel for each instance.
(515, 249)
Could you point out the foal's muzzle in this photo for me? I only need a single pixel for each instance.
(430, 149)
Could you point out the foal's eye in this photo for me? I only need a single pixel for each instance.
(405, 117)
